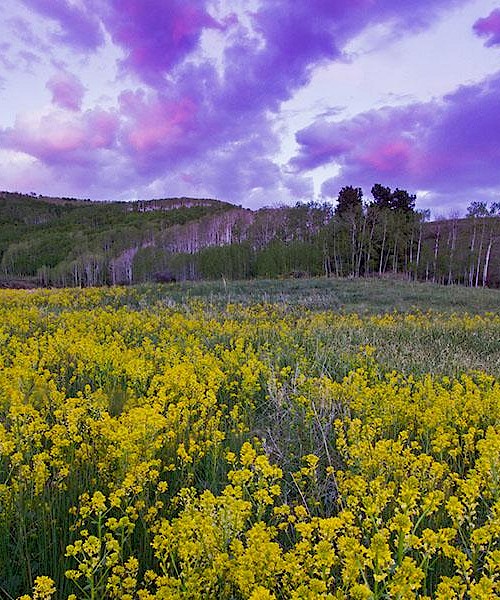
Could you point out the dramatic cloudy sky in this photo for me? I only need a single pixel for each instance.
(256, 102)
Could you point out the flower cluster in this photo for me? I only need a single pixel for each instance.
(151, 452)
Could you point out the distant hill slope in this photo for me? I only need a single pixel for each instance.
(70, 242)
(76, 242)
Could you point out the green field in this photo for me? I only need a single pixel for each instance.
(374, 296)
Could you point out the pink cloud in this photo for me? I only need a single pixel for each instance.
(380, 139)
(102, 128)
(59, 139)
(155, 122)
(446, 146)
(489, 27)
(67, 91)
(389, 156)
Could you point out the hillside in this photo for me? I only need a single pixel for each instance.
(79, 242)
(68, 242)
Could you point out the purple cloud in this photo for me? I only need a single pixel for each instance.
(446, 146)
(207, 127)
(155, 37)
(29, 59)
(24, 32)
(207, 150)
(259, 74)
(79, 27)
(263, 67)
(489, 27)
(14, 59)
(380, 139)
(158, 132)
(60, 139)
(330, 188)
(5, 61)
(67, 91)
(293, 39)
(300, 188)
(156, 121)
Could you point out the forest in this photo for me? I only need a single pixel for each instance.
(65, 242)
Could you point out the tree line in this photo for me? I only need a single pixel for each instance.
(383, 235)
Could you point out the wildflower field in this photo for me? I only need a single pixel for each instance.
(159, 444)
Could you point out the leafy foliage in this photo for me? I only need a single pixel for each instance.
(64, 236)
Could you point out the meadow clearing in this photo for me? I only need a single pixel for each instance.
(258, 440)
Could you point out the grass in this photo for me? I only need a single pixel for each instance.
(365, 296)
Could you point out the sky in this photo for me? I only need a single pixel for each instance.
(254, 102)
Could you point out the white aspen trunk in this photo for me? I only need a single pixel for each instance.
(112, 272)
(472, 248)
(360, 247)
(395, 256)
(369, 250)
(436, 251)
(335, 252)
(487, 261)
(409, 253)
(452, 252)
(419, 250)
(353, 246)
(381, 262)
(479, 254)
